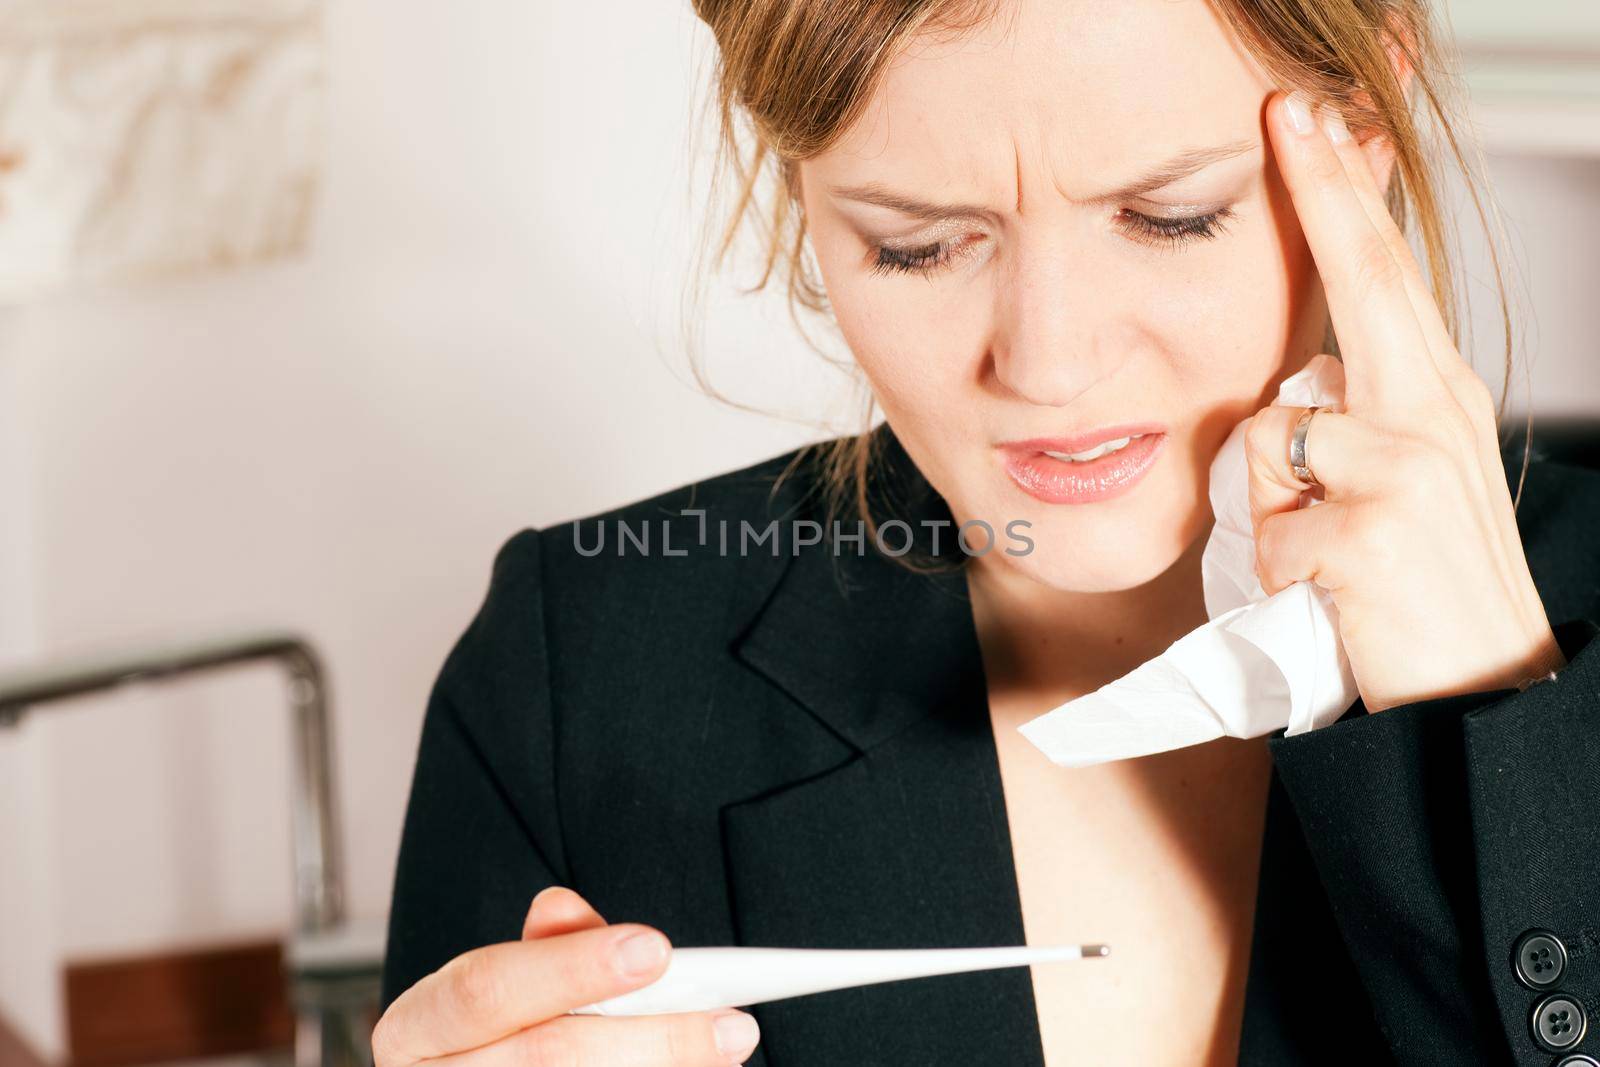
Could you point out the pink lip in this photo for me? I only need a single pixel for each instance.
(1058, 481)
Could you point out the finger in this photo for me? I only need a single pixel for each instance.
(1305, 546)
(1358, 168)
(1385, 354)
(1459, 376)
(1343, 452)
(558, 910)
(683, 1039)
(1462, 379)
(1272, 484)
(489, 992)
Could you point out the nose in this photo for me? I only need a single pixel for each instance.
(1051, 340)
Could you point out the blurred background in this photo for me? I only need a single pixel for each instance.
(306, 306)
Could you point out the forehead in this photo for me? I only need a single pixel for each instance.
(1062, 92)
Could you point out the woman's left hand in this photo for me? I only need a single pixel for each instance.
(1416, 539)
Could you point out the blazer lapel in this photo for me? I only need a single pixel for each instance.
(904, 843)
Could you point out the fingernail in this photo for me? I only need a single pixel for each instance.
(1333, 125)
(737, 1033)
(1298, 107)
(640, 953)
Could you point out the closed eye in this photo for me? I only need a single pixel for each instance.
(924, 259)
(1173, 232)
(1168, 232)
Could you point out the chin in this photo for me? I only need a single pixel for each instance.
(1075, 567)
(1107, 547)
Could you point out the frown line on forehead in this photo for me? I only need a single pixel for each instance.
(1168, 172)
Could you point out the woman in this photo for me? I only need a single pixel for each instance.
(1042, 227)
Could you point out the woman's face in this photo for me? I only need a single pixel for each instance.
(1061, 223)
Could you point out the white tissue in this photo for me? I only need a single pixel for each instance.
(1259, 664)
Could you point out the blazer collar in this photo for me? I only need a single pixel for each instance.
(892, 831)
(898, 836)
(863, 643)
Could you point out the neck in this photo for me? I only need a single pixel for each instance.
(1041, 640)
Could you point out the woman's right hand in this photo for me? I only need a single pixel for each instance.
(506, 1005)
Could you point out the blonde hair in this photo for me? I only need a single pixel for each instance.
(793, 75)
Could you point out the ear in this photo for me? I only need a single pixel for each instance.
(1400, 44)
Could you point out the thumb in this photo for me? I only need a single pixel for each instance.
(558, 910)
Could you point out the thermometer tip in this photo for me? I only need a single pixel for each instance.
(1096, 950)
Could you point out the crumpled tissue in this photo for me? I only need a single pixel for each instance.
(1261, 663)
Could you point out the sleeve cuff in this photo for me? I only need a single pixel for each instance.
(1433, 827)
(1575, 636)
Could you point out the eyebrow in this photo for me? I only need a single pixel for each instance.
(1172, 170)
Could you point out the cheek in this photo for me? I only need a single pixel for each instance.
(909, 342)
(1224, 321)
(1233, 326)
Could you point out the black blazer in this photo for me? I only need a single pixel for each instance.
(794, 749)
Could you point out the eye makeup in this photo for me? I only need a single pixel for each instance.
(1173, 231)
(919, 259)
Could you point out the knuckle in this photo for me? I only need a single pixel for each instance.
(1460, 432)
(681, 1045)
(576, 970)
(1366, 530)
(478, 986)
(1325, 168)
(1257, 438)
(1267, 552)
(1478, 402)
(1416, 466)
(548, 1046)
(1264, 575)
(1421, 428)
(1266, 538)
(1374, 266)
(383, 1054)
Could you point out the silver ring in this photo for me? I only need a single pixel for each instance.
(1297, 448)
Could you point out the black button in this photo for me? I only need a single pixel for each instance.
(1539, 958)
(1558, 1022)
(1577, 1059)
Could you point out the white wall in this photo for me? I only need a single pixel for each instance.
(481, 340)
(28, 942)
(1552, 214)
(339, 444)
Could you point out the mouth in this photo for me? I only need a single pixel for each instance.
(1085, 468)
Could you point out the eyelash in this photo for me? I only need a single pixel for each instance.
(1174, 232)
(1168, 233)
